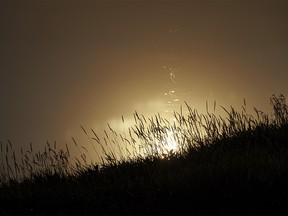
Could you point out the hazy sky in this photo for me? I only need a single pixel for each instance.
(67, 63)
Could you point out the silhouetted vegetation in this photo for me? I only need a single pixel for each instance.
(223, 165)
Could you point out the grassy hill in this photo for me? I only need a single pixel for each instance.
(240, 166)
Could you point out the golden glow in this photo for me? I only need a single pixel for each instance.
(168, 145)
(171, 142)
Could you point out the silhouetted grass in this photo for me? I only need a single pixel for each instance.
(236, 164)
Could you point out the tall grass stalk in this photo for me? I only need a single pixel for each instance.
(153, 137)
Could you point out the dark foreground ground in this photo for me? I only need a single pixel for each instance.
(226, 178)
(242, 172)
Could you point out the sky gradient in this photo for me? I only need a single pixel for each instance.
(66, 64)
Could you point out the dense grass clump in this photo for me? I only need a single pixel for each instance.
(236, 164)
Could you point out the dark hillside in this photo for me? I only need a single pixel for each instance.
(239, 171)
